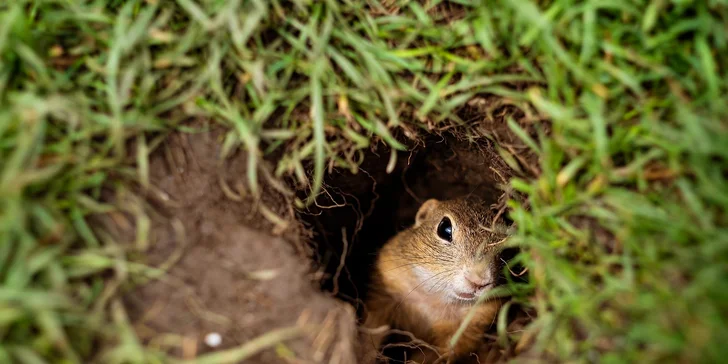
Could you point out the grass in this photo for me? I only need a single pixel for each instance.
(625, 230)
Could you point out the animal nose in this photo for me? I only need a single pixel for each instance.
(476, 280)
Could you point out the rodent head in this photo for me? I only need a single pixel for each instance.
(452, 247)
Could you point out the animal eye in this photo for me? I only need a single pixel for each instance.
(444, 229)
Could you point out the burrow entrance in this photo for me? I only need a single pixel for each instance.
(357, 213)
(233, 271)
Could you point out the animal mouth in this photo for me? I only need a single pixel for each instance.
(465, 296)
(469, 296)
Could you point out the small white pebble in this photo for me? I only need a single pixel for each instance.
(213, 339)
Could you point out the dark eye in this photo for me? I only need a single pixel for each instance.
(444, 229)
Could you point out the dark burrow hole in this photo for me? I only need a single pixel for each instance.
(358, 213)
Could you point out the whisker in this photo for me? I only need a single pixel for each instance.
(417, 286)
(440, 281)
(401, 266)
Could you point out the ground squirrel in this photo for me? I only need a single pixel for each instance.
(428, 277)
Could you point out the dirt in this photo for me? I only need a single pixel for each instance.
(239, 274)
(246, 265)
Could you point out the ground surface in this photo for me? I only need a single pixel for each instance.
(611, 117)
(234, 277)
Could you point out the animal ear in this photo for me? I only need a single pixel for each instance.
(425, 210)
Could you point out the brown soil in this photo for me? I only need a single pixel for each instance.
(235, 277)
(249, 265)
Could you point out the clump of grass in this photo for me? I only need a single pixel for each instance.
(625, 228)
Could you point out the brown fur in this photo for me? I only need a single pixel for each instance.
(402, 299)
